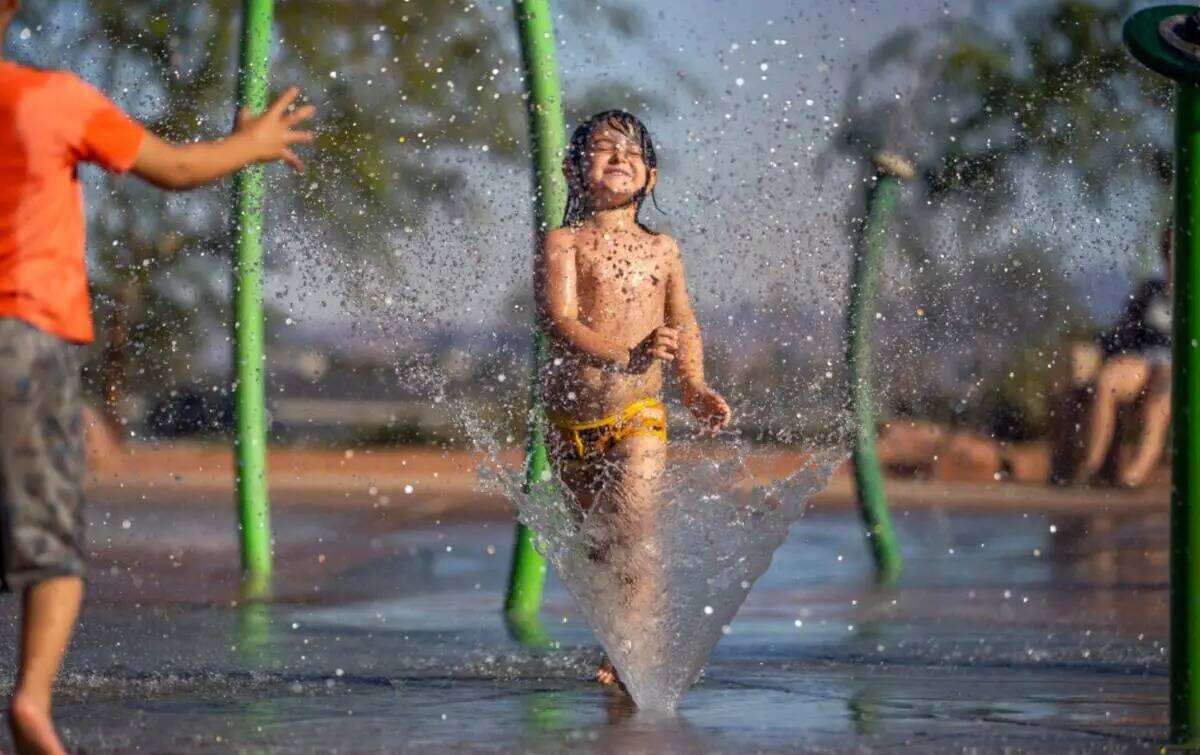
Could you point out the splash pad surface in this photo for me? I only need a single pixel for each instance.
(1005, 634)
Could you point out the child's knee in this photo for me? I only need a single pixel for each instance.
(1121, 379)
(643, 458)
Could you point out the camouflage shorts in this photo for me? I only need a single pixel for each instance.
(41, 457)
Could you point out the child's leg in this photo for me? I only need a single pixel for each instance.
(1155, 421)
(48, 617)
(621, 493)
(41, 515)
(636, 469)
(585, 482)
(1120, 381)
(635, 495)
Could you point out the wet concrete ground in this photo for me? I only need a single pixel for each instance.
(1015, 633)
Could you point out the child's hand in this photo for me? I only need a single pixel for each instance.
(273, 133)
(660, 344)
(709, 409)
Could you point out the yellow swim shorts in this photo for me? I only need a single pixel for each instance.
(592, 439)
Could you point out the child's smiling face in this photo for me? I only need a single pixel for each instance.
(616, 168)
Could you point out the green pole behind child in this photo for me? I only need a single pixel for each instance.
(50, 122)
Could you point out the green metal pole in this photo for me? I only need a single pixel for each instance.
(249, 388)
(547, 128)
(868, 253)
(1185, 388)
(528, 571)
(1167, 40)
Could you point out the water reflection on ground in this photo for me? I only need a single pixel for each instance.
(1020, 632)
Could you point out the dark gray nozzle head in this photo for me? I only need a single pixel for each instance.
(1190, 30)
(1166, 39)
(1182, 33)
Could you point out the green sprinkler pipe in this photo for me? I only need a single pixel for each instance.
(1167, 40)
(868, 254)
(547, 128)
(249, 363)
(1185, 452)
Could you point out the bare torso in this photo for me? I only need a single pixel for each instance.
(621, 287)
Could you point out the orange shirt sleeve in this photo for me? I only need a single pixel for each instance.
(104, 135)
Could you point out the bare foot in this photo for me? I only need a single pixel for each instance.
(32, 729)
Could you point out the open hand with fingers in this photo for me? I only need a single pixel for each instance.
(661, 344)
(709, 409)
(274, 133)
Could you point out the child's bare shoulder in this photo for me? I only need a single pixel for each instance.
(667, 246)
(560, 240)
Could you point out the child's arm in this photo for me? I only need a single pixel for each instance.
(689, 360)
(706, 404)
(255, 139)
(559, 303)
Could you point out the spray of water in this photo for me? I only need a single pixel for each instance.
(661, 591)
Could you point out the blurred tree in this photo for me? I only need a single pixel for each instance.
(407, 92)
(1046, 84)
(1038, 97)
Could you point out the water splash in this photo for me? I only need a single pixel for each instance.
(660, 601)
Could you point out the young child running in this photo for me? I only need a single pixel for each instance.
(50, 122)
(614, 301)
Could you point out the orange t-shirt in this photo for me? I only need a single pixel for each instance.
(50, 121)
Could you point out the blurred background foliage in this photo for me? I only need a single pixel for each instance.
(1009, 103)
(1012, 103)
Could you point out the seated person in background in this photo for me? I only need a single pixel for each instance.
(1136, 369)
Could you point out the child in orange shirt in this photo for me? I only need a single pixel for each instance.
(50, 122)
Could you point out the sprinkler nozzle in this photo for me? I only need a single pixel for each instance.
(893, 164)
(1189, 30)
(1182, 33)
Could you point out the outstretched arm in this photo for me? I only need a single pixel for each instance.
(709, 408)
(255, 139)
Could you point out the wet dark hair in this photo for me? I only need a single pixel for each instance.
(577, 154)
